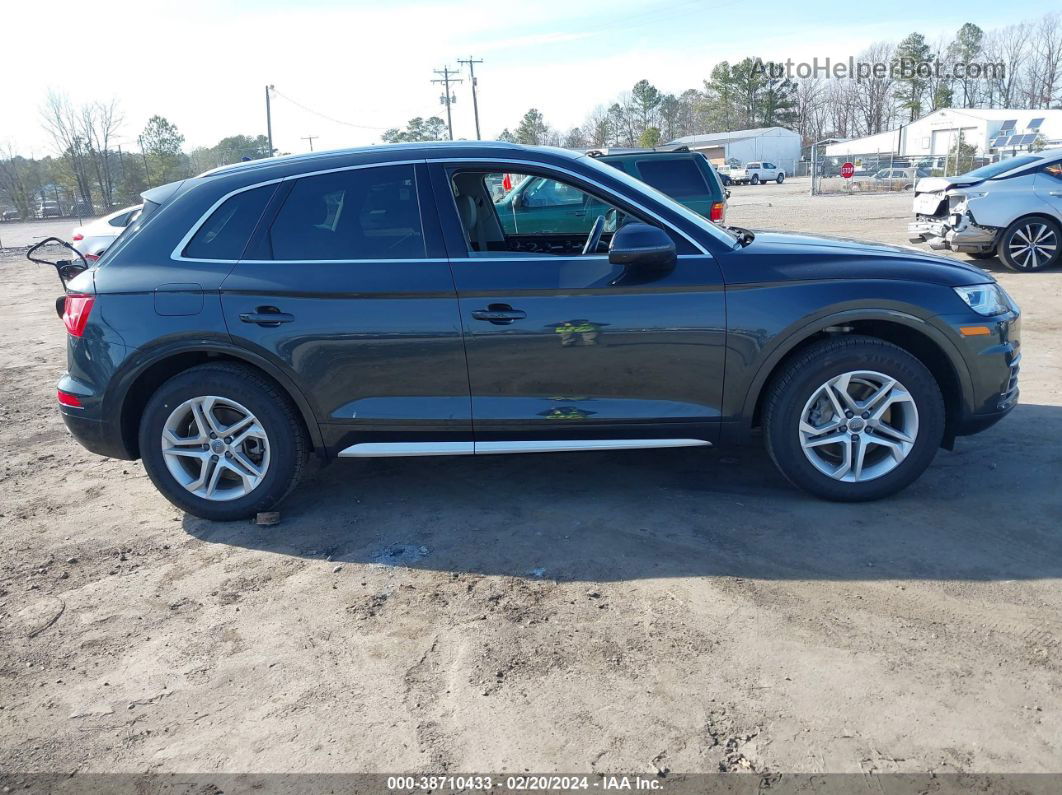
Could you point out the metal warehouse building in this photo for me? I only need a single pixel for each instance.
(994, 132)
(774, 144)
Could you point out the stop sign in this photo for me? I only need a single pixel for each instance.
(848, 170)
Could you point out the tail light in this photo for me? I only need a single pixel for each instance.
(68, 399)
(76, 312)
(78, 236)
(90, 258)
(718, 212)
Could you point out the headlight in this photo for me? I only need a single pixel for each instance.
(985, 299)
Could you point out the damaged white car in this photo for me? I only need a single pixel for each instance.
(1011, 209)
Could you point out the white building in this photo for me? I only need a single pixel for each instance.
(774, 144)
(994, 132)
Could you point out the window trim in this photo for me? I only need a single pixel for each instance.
(177, 254)
(447, 162)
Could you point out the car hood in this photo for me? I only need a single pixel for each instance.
(937, 184)
(788, 256)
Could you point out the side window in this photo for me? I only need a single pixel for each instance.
(121, 220)
(514, 222)
(227, 230)
(677, 178)
(365, 213)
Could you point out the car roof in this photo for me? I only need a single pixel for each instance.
(385, 152)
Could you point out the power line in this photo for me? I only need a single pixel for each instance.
(447, 98)
(472, 77)
(310, 139)
(325, 115)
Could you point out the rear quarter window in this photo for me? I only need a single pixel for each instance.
(224, 235)
(677, 178)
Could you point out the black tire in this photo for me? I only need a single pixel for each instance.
(799, 379)
(780, 179)
(755, 179)
(980, 254)
(278, 417)
(1011, 237)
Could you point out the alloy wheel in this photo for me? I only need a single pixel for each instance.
(215, 448)
(1032, 245)
(858, 426)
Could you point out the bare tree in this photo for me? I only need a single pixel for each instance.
(1008, 47)
(62, 123)
(873, 95)
(99, 124)
(1044, 68)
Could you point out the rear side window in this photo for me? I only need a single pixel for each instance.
(678, 178)
(365, 213)
(225, 233)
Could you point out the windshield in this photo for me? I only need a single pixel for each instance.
(995, 169)
(720, 234)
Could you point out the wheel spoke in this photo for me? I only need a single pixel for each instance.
(860, 451)
(833, 438)
(873, 429)
(214, 462)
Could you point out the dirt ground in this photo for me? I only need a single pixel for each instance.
(679, 610)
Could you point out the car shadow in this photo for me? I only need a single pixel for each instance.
(989, 510)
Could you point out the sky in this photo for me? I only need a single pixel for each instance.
(362, 67)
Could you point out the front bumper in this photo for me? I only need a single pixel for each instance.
(964, 236)
(994, 363)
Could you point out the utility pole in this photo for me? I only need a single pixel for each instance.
(472, 77)
(447, 99)
(269, 121)
(310, 139)
(143, 155)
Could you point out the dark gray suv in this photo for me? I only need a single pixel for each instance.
(373, 302)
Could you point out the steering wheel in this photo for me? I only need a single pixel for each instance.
(594, 238)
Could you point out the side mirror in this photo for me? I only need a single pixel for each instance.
(638, 246)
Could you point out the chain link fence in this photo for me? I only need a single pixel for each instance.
(882, 172)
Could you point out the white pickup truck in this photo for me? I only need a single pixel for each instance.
(757, 172)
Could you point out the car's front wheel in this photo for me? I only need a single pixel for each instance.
(222, 442)
(1031, 244)
(853, 418)
(780, 179)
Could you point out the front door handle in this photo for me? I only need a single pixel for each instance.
(1056, 193)
(268, 316)
(499, 314)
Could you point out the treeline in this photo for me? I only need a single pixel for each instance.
(90, 172)
(751, 93)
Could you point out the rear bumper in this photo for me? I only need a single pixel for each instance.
(91, 431)
(965, 237)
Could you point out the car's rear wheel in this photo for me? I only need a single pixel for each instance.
(853, 418)
(780, 179)
(755, 179)
(1030, 244)
(222, 442)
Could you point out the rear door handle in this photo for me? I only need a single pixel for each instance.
(268, 316)
(499, 314)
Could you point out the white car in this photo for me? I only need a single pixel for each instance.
(1011, 209)
(93, 238)
(758, 172)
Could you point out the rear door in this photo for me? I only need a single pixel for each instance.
(344, 287)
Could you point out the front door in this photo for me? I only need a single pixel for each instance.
(344, 288)
(562, 345)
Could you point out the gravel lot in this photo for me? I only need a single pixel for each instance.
(683, 610)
